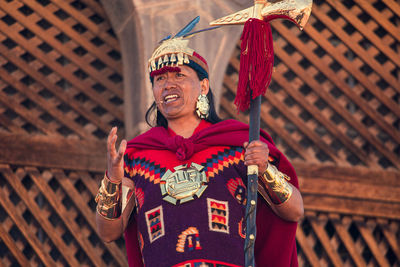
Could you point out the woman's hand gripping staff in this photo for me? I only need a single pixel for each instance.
(284, 199)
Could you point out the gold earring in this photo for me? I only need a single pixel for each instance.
(202, 107)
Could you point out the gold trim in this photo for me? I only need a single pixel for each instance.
(297, 10)
(275, 184)
(173, 52)
(108, 199)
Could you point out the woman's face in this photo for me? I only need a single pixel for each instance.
(176, 93)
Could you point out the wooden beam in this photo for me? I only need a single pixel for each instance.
(53, 152)
(350, 190)
(349, 206)
(355, 174)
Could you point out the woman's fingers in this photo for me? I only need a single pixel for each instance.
(111, 141)
(111, 138)
(256, 147)
(115, 166)
(121, 150)
(256, 154)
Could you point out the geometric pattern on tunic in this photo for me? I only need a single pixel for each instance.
(146, 168)
(155, 223)
(213, 166)
(237, 189)
(218, 215)
(223, 159)
(191, 237)
(139, 197)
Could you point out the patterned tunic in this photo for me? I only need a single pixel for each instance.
(200, 228)
(205, 227)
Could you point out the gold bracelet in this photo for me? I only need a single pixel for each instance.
(108, 199)
(276, 185)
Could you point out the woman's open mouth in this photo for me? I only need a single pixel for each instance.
(170, 98)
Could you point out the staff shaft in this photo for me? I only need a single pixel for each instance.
(252, 185)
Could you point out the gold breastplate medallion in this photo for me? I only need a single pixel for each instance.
(183, 184)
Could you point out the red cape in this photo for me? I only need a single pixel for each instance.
(275, 242)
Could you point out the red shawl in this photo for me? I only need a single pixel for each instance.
(275, 242)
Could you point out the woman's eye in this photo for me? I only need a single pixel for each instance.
(159, 78)
(179, 74)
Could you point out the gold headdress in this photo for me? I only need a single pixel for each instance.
(174, 52)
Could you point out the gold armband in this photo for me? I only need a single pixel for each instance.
(108, 199)
(275, 184)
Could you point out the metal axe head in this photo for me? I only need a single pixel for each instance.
(297, 11)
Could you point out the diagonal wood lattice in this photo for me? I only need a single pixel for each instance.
(47, 216)
(60, 69)
(332, 107)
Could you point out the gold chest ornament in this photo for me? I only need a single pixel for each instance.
(183, 184)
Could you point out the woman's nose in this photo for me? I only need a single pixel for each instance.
(169, 82)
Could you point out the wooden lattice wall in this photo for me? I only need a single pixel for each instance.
(332, 107)
(60, 93)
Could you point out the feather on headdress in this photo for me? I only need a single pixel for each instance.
(174, 51)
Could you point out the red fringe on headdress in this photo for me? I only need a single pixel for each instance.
(164, 70)
(256, 62)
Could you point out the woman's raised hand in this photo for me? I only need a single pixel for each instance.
(115, 161)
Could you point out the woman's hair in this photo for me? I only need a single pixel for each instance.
(162, 121)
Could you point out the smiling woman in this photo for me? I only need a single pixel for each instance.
(176, 94)
(178, 190)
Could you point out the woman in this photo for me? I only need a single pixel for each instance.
(187, 177)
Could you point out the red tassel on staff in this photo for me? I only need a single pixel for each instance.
(256, 62)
